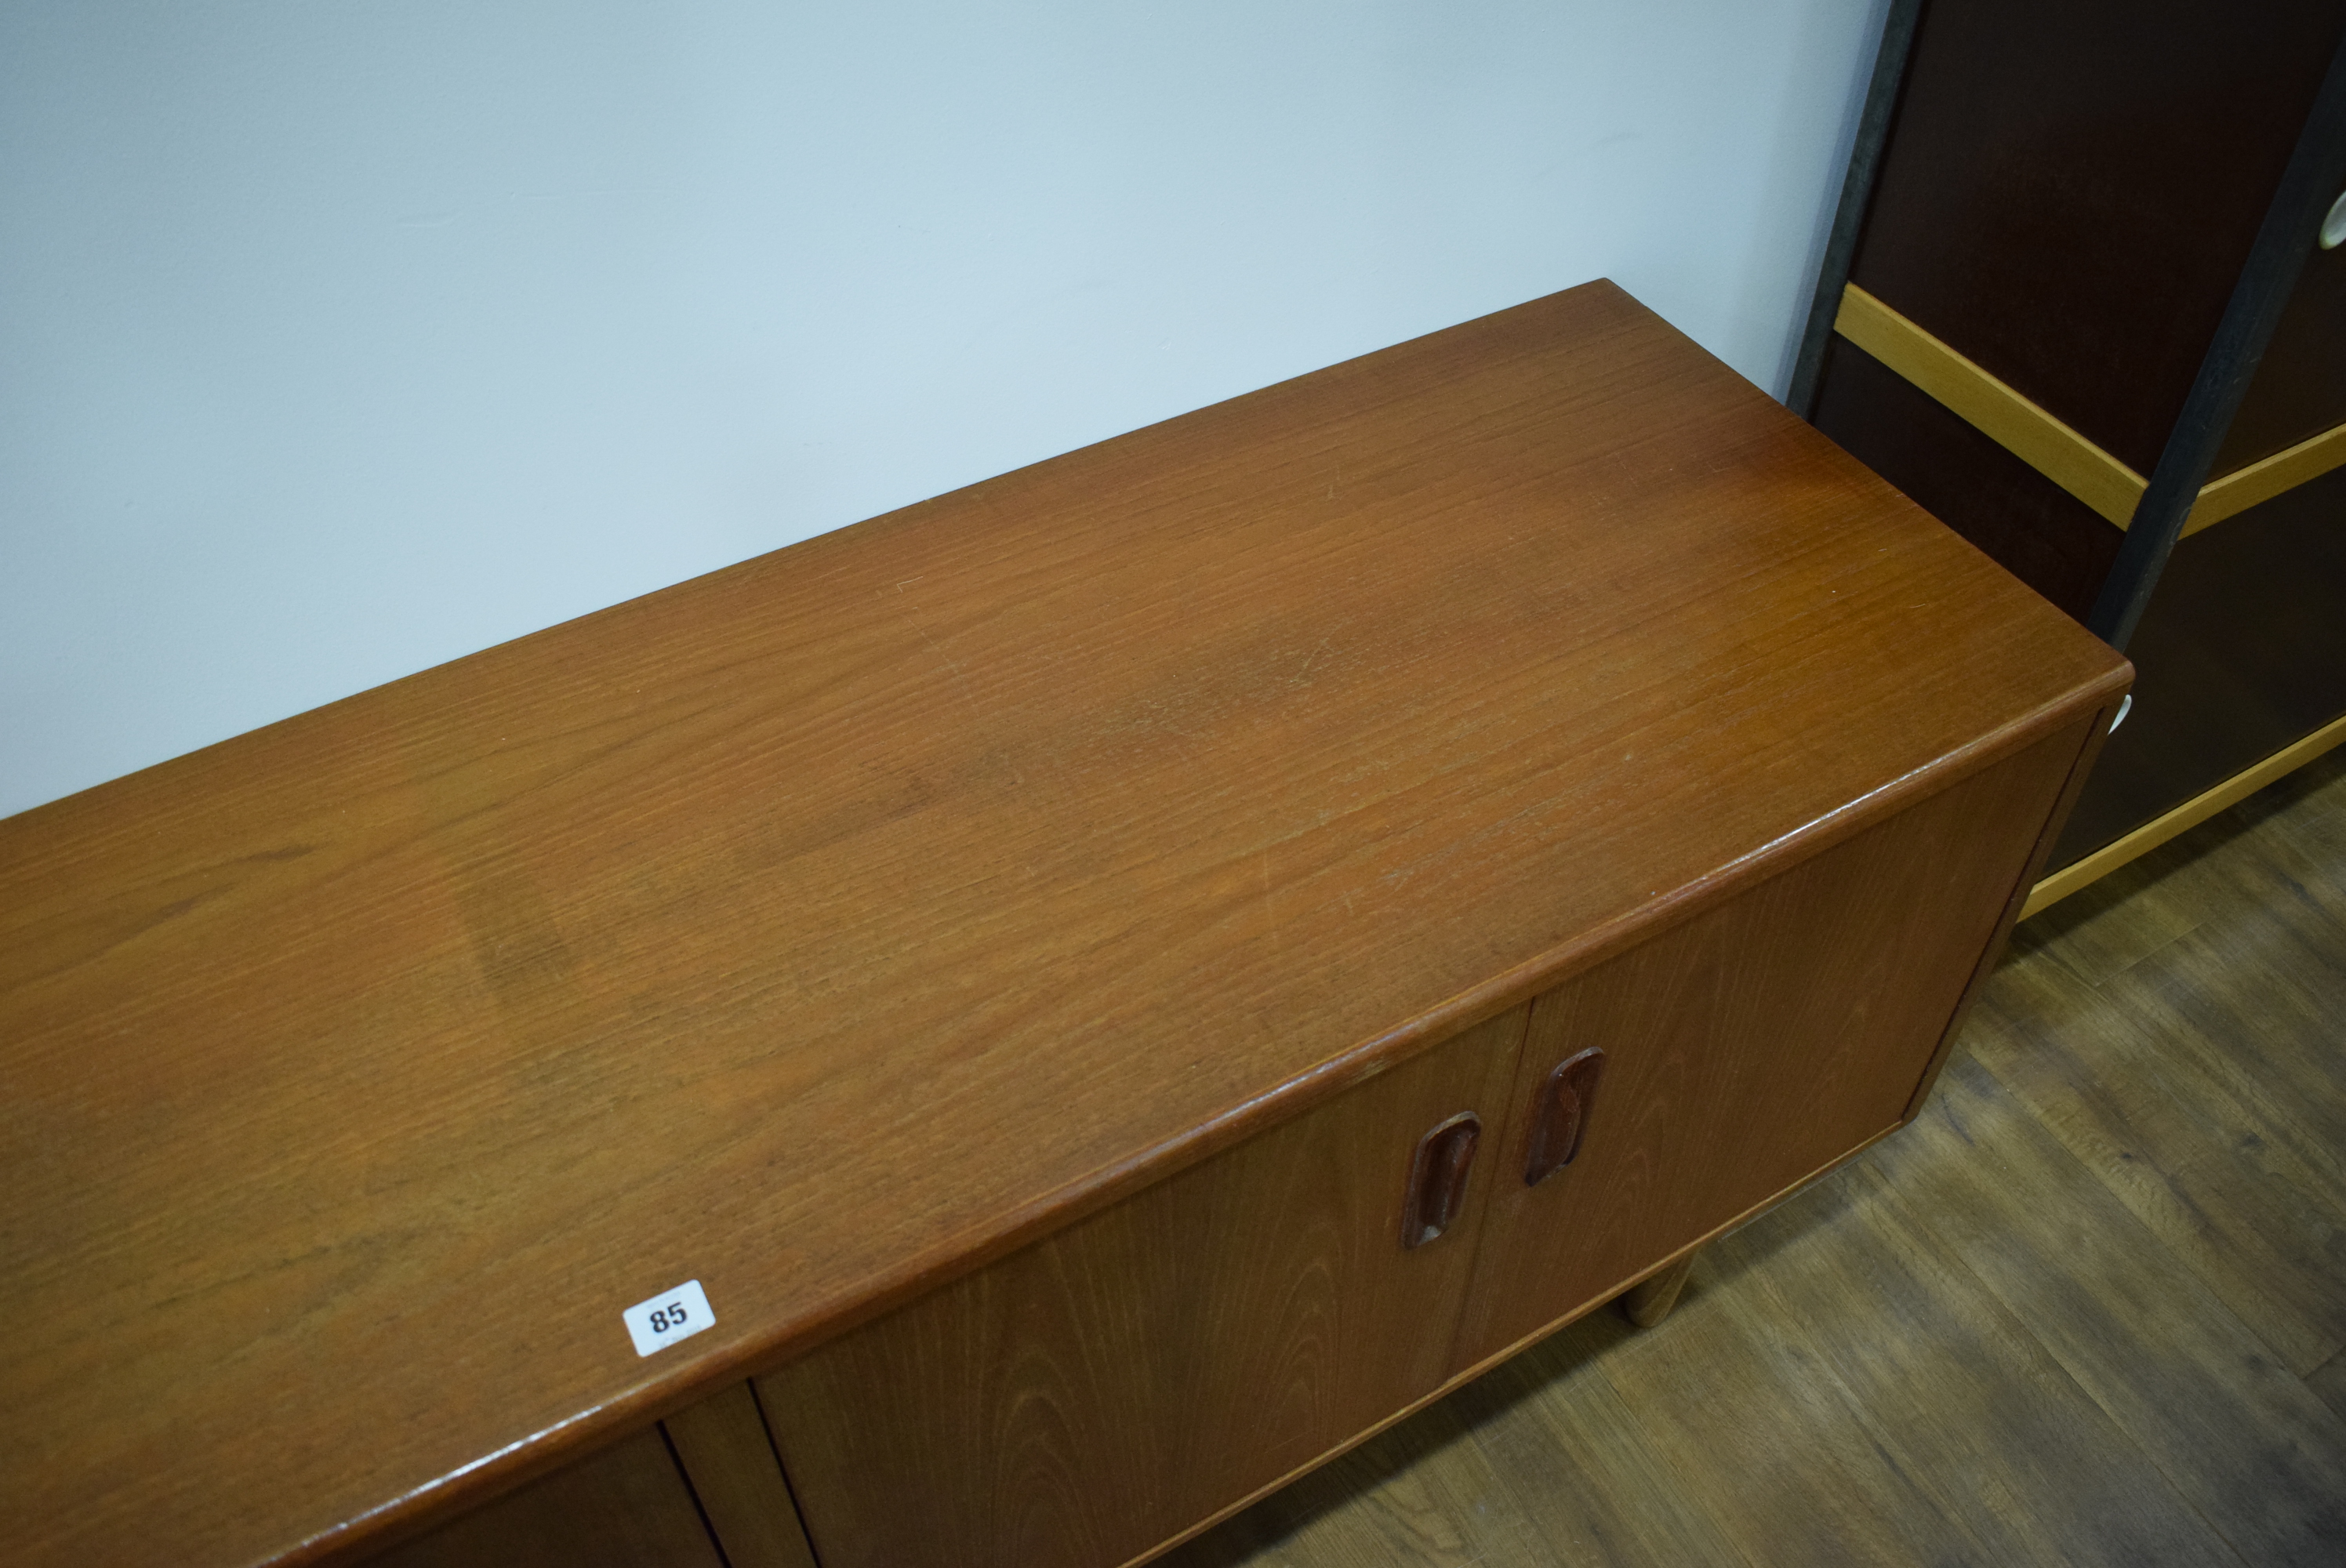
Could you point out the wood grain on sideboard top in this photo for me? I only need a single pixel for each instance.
(824, 926)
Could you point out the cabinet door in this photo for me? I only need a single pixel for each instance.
(626, 1507)
(1099, 1392)
(1750, 1047)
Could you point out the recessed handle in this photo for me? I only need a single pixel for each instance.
(1437, 1178)
(1560, 1115)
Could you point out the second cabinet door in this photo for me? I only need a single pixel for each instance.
(1750, 1047)
(1104, 1389)
(623, 1507)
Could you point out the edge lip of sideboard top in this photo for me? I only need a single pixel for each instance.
(400, 754)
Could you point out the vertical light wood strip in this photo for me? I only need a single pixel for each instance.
(722, 1445)
(1991, 406)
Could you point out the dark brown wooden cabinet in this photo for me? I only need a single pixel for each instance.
(1039, 962)
(2078, 304)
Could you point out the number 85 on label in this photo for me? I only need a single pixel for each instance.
(660, 1321)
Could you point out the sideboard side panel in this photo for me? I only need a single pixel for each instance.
(1096, 1394)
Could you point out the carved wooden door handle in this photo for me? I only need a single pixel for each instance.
(1560, 1115)
(1437, 1178)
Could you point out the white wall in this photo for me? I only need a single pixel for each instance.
(337, 339)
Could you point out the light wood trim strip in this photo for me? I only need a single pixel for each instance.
(2259, 482)
(2054, 449)
(1992, 407)
(2183, 818)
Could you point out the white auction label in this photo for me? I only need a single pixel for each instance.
(675, 1314)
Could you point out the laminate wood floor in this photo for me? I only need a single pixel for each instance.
(2088, 1308)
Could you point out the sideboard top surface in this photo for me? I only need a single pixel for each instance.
(819, 927)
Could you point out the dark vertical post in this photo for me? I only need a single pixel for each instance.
(1856, 191)
(2284, 240)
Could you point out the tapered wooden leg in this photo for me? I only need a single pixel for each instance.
(1649, 1301)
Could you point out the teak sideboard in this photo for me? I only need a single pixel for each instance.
(1115, 983)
